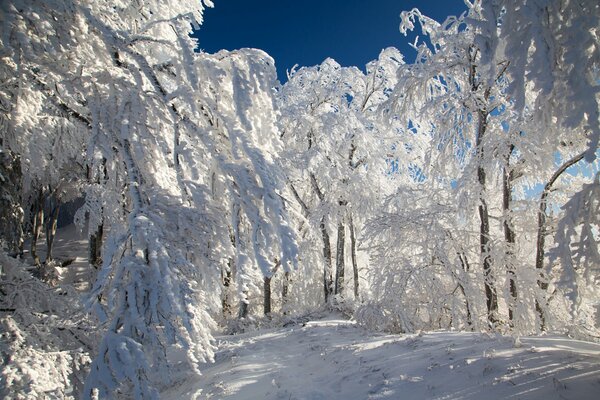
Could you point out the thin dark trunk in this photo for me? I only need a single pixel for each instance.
(285, 292)
(541, 234)
(51, 230)
(339, 265)
(327, 278)
(303, 205)
(490, 291)
(226, 277)
(11, 213)
(95, 244)
(484, 228)
(327, 267)
(267, 295)
(353, 165)
(96, 239)
(467, 305)
(353, 254)
(267, 288)
(459, 281)
(38, 223)
(466, 268)
(509, 238)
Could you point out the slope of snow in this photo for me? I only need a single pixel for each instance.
(336, 359)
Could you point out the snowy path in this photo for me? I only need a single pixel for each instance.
(334, 359)
(70, 244)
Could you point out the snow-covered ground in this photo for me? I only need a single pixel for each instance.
(70, 246)
(336, 359)
(333, 358)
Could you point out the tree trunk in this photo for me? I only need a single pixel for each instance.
(95, 247)
(339, 265)
(327, 279)
(484, 227)
(267, 295)
(490, 291)
(38, 223)
(51, 228)
(353, 254)
(11, 213)
(226, 277)
(509, 238)
(243, 312)
(541, 234)
(466, 268)
(267, 287)
(484, 219)
(96, 239)
(285, 292)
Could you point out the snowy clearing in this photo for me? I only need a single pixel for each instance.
(336, 359)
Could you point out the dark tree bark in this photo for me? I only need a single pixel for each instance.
(304, 207)
(353, 256)
(459, 278)
(96, 239)
(226, 277)
(327, 277)
(38, 223)
(327, 258)
(285, 292)
(484, 227)
(353, 165)
(339, 265)
(464, 262)
(509, 237)
(267, 288)
(95, 246)
(267, 295)
(51, 227)
(11, 213)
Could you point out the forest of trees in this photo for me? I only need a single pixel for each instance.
(455, 191)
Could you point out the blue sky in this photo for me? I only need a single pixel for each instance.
(305, 32)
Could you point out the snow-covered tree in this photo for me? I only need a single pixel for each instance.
(246, 179)
(47, 339)
(335, 151)
(478, 95)
(129, 77)
(447, 93)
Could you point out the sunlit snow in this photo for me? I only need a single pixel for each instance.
(333, 358)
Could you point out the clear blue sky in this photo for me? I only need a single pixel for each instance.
(305, 32)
